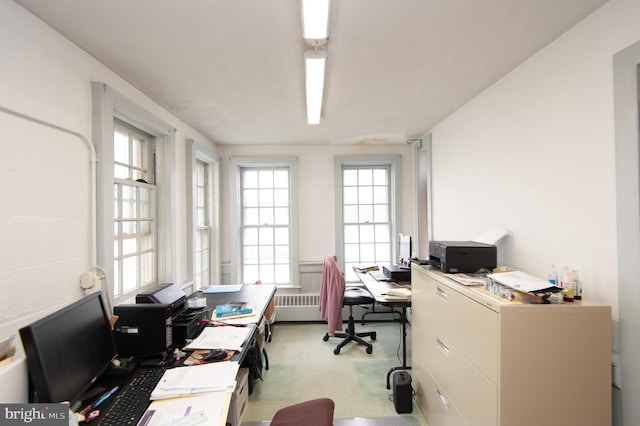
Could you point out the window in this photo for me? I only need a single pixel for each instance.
(267, 233)
(203, 253)
(134, 197)
(367, 194)
(134, 246)
(202, 228)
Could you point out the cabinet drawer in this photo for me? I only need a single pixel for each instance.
(466, 324)
(475, 396)
(435, 404)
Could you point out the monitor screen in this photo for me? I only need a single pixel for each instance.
(68, 350)
(404, 249)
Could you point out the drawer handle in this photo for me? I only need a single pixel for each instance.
(442, 294)
(443, 346)
(443, 400)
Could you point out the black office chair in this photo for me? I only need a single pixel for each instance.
(333, 296)
(354, 296)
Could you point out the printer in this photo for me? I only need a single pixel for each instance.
(462, 256)
(158, 320)
(186, 323)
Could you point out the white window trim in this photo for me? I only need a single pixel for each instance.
(197, 151)
(108, 103)
(395, 161)
(235, 166)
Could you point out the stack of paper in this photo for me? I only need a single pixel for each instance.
(522, 281)
(197, 380)
(223, 337)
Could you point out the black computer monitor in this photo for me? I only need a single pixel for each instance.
(68, 350)
(404, 249)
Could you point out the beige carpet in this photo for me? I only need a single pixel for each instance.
(302, 366)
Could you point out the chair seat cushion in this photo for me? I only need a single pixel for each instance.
(357, 296)
(317, 412)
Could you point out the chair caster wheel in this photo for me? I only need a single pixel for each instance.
(336, 351)
(369, 349)
(373, 336)
(325, 338)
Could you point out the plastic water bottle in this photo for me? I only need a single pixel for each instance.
(553, 275)
(577, 294)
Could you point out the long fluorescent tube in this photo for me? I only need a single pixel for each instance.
(314, 65)
(315, 19)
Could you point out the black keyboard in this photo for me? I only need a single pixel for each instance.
(132, 400)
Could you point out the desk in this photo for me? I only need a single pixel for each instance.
(379, 289)
(257, 295)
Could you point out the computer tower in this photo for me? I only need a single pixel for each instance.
(143, 330)
(402, 392)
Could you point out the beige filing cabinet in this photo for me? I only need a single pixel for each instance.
(481, 360)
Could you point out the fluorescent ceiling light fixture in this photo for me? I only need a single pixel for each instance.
(315, 19)
(314, 65)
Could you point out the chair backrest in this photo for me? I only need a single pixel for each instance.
(331, 294)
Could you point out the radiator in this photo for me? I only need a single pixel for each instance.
(297, 307)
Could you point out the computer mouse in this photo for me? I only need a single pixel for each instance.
(215, 355)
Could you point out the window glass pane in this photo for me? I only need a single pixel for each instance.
(281, 197)
(351, 234)
(365, 195)
(352, 253)
(147, 267)
(137, 147)
(266, 216)
(365, 177)
(282, 274)
(129, 273)
(281, 179)
(265, 236)
(380, 177)
(250, 217)
(350, 195)
(367, 234)
(265, 178)
(250, 255)
(282, 254)
(129, 240)
(380, 195)
(366, 214)
(381, 213)
(383, 253)
(250, 236)
(383, 233)
(281, 216)
(350, 177)
(250, 179)
(128, 202)
(281, 236)
(250, 198)
(267, 273)
(120, 172)
(350, 214)
(250, 273)
(367, 253)
(266, 197)
(266, 254)
(121, 147)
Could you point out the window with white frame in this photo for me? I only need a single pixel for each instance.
(134, 197)
(266, 220)
(202, 225)
(366, 213)
(134, 245)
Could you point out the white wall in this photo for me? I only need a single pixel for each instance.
(45, 189)
(535, 154)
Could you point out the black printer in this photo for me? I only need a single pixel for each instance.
(462, 256)
(186, 322)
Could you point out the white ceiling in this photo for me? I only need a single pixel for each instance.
(234, 71)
